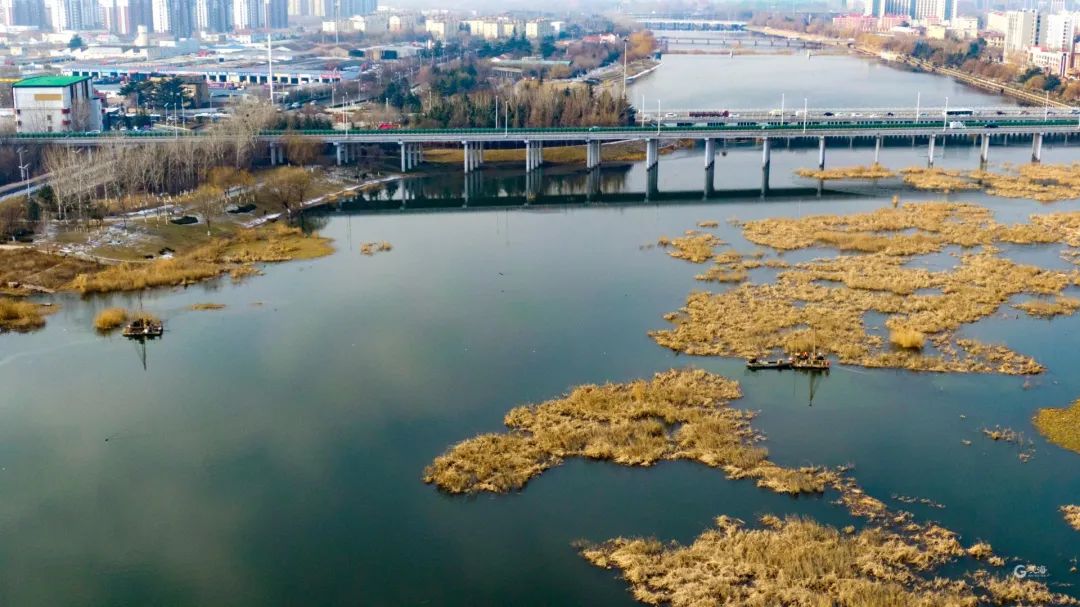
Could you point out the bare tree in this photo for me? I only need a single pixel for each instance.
(208, 200)
(287, 188)
(301, 151)
(249, 118)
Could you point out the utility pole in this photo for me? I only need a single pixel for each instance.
(805, 113)
(624, 68)
(945, 121)
(270, 55)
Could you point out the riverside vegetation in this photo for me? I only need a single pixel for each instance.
(1060, 426)
(676, 415)
(1072, 515)
(234, 255)
(686, 414)
(1041, 182)
(21, 316)
(822, 303)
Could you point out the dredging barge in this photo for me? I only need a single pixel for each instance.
(144, 328)
(803, 361)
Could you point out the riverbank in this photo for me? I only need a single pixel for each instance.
(895, 59)
(145, 250)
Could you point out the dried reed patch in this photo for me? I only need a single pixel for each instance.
(708, 223)
(110, 319)
(694, 246)
(1049, 308)
(906, 338)
(679, 414)
(207, 306)
(21, 316)
(233, 254)
(799, 562)
(1060, 426)
(371, 248)
(1072, 516)
(821, 304)
(874, 171)
(1041, 182)
(942, 180)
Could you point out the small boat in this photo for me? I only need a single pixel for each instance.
(142, 328)
(754, 364)
(810, 362)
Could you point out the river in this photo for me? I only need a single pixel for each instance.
(271, 452)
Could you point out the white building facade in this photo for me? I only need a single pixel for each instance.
(56, 104)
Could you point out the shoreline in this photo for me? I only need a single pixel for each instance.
(893, 60)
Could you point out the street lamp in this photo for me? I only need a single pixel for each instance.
(945, 119)
(805, 114)
(782, 100)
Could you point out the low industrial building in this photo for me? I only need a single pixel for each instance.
(56, 104)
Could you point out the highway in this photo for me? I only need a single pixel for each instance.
(690, 124)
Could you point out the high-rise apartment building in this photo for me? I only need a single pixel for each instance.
(260, 14)
(933, 10)
(22, 12)
(1023, 30)
(1060, 30)
(72, 15)
(277, 14)
(213, 16)
(176, 17)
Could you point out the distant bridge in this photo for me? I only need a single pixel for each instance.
(690, 24)
(740, 41)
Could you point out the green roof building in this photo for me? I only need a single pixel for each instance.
(52, 104)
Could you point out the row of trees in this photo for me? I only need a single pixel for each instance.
(530, 104)
(84, 184)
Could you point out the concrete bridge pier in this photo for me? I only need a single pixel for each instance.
(984, 151)
(277, 155)
(473, 185)
(821, 154)
(337, 152)
(533, 181)
(407, 158)
(1036, 147)
(474, 155)
(877, 149)
(710, 181)
(652, 182)
(930, 154)
(593, 184)
(592, 154)
(766, 162)
(710, 153)
(598, 154)
(652, 153)
(534, 155)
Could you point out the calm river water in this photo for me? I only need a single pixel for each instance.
(271, 453)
